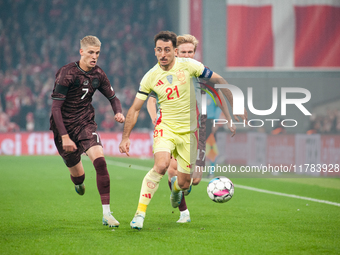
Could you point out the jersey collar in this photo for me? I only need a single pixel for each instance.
(77, 64)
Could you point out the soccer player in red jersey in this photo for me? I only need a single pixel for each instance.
(72, 119)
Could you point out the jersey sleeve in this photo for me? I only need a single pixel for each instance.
(195, 67)
(57, 116)
(105, 87)
(144, 88)
(62, 82)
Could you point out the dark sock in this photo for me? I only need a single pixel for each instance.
(78, 180)
(182, 206)
(103, 180)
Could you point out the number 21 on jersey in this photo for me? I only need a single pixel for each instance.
(169, 92)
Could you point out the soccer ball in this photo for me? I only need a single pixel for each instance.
(220, 189)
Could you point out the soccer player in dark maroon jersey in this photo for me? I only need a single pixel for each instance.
(72, 119)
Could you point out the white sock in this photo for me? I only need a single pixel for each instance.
(185, 212)
(106, 209)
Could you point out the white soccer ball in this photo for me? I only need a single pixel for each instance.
(220, 189)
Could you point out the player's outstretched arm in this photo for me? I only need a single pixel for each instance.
(130, 122)
(117, 109)
(217, 79)
(225, 110)
(151, 106)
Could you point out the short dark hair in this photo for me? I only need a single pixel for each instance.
(166, 36)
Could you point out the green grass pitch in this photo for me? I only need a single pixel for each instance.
(40, 213)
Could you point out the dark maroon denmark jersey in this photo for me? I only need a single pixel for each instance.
(76, 87)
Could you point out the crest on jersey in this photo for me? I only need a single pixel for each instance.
(169, 78)
(86, 82)
(180, 76)
(95, 83)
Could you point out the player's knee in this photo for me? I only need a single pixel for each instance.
(196, 181)
(100, 166)
(184, 184)
(161, 167)
(172, 171)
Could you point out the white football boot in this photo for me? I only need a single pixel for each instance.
(184, 217)
(108, 219)
(137, 221)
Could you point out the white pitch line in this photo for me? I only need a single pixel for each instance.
(142, 168)
(287, 195)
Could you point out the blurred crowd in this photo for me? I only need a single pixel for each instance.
(38, 37)
(319, 123)
(325, 124)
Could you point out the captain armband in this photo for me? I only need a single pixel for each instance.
(207, 73)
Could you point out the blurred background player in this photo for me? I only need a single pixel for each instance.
(211, 148)
(186, 48)
(72, 119)
(174, 132)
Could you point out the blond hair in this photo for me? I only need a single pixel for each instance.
(187, 39)
(90, 40)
